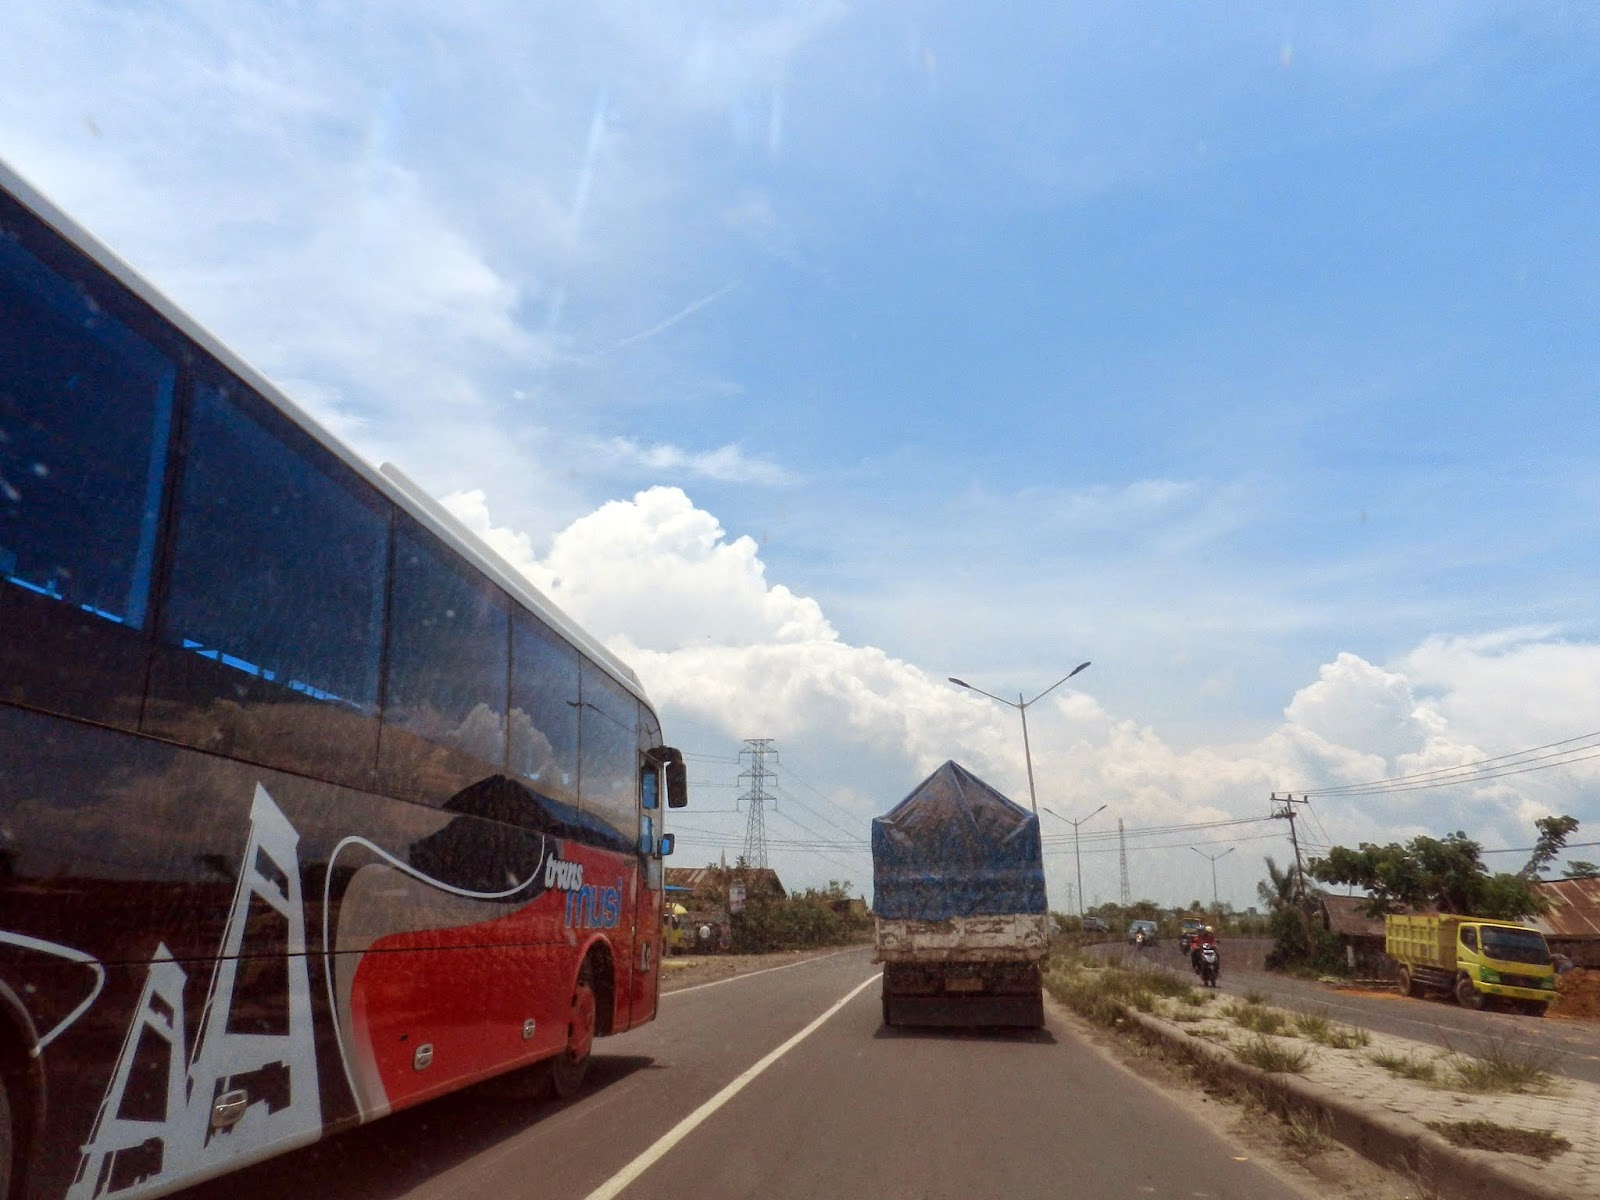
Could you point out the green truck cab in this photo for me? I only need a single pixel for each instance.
(1473, 959)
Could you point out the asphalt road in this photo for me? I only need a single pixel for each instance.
(850, 1109)
(1574, 1046)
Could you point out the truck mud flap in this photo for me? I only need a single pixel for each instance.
(1024, 1010)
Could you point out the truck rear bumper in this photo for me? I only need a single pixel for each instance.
(963, 994)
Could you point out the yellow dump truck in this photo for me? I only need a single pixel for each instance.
(1473, 959)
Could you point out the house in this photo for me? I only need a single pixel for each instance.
(712, 882)
(1572, 926)
(1362, 936)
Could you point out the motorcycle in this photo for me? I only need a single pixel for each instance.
(1209, 965)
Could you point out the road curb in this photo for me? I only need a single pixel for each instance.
(1388, 1139)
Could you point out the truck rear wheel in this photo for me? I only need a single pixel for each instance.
(1408, 985)
(1468, 996)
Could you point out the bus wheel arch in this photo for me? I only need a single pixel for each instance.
(585, 1018)
(21, 1094)
(20, 1108)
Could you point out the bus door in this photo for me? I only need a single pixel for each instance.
(648, 906)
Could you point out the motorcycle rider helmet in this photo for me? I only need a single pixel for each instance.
(1209, 929)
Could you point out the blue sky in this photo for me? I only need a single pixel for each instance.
(811, 353)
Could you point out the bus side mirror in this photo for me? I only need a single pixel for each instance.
(677, 782)
(668, 841)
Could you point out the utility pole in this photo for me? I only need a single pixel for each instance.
(1288, 813)
(1122, 842)
(755, 836)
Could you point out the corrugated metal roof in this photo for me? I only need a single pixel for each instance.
(1346, 916)
(759, 879)
(1574, 907)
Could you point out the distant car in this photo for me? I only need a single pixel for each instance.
(1148, 928)
(1095, 925)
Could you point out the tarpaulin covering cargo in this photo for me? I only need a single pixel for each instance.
(955, 847)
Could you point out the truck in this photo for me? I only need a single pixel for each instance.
(961, 923)
(1475, 959)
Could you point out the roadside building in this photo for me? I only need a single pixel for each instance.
(1572, 926)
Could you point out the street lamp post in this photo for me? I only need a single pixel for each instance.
(1215, 906)
(1077, 857)
(1021, 706)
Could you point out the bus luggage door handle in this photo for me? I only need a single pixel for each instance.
(229, 1108)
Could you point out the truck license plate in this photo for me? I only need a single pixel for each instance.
(963, 985)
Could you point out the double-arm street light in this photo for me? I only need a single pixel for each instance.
(1076, 856)
(1021, 706)
(1215, 907)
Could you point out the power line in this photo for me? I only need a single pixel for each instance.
(1481, 771)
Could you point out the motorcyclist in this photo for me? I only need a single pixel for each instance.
(1206, 937)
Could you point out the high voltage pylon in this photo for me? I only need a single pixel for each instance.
(1122, 843)
(755, 835)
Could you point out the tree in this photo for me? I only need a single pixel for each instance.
(1294, 921)
(1278, 889)
(1553, 835)
(1446, 873)
(1577, 868)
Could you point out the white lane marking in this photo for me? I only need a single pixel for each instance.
(752, 974)
(614, 1186)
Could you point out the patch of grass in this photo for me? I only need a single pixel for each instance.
(1506, 1139)
(1421, 1070)
(1104, 994)
(1306, 1133)
(1220, 1036)
(1324, 1032)
(1184, 1018)
(1195, 999)
(1254, 998)
(1267, 1055)
(1498, 1065)
(1258, 1019)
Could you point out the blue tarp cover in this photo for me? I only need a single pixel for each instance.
(955, 847)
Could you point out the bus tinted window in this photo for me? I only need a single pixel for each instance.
(276, 595)
(445, 708)
(86, 405)
(544, 712)
(609, 735)
(85, 410)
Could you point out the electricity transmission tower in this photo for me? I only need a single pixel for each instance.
(755, 834)
(1122, 842)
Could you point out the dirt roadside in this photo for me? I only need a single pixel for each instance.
(681, 971)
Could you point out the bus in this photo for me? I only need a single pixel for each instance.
(311, 807)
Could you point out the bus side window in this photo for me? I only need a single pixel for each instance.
(444, 713)
(609, 742)
(272, 630)
(86, 405)
(542, 747)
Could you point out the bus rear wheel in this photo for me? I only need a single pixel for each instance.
(570, 1067)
